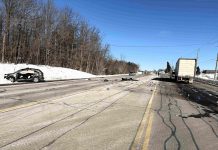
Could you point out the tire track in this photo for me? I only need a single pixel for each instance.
(37, 102)
(87, 89)
(67, 117)
(36, 90)
(82, 123)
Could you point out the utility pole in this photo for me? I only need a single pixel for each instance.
(215, 75)
(197, 57)
(172, 65)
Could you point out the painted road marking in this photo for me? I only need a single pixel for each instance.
(146, 122)
(18, 107)
(148, 132)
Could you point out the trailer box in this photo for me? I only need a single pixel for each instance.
(185, 69)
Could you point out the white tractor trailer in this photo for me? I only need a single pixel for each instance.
(185, 69)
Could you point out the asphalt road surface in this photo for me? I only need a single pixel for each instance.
(97, 114)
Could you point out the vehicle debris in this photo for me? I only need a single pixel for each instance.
(106, 80)
(195, 115)
(128, 79)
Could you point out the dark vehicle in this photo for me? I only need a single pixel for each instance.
(27, 74)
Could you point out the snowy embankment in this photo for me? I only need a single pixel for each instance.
(50, 73)
(206, 76)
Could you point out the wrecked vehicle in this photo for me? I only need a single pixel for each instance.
(27, 74)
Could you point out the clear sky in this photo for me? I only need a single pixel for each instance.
(152, 32)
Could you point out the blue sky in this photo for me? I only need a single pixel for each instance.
(152, 32)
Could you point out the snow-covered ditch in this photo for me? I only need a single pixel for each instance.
(50, 73)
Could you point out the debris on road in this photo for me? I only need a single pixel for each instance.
(128, 79)
(106, 80)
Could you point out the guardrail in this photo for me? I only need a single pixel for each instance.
(210, 82)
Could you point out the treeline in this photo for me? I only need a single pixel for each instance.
(37, 32)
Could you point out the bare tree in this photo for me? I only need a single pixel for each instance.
(35, 31)
(9, 7)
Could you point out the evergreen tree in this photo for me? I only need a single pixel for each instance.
(198, 71)
(169, 68)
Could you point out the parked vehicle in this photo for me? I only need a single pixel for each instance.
(27, 74)
(185, 69)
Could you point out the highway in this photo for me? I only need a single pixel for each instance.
(147, 113)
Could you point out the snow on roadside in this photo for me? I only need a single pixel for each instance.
(206, 76)
(50, 73)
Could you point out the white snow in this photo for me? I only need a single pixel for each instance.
(206, 76)
(50, 73)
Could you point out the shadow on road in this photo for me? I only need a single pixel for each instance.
(164, 79)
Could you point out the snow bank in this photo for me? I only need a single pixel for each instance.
(50, 73)
(206, 76)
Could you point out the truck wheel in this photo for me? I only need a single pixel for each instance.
(35, 79)
(11, 79)
(190, 81)
(176, 79)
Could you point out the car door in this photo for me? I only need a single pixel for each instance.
(25, 75)
(19, 75)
